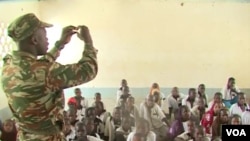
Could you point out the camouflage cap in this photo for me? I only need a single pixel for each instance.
(24, 26)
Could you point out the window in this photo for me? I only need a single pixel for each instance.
(6, 43)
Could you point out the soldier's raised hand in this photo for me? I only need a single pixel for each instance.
(84, 35)
(67, 33)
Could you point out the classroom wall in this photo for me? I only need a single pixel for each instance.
(175, 43)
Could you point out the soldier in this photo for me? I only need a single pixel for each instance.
(33, 86)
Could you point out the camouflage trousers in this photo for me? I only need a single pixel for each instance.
(34, 137)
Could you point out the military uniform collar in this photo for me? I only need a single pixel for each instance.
(24, 54)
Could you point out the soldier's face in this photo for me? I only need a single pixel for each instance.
(41, 41)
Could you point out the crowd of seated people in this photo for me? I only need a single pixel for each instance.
(160, 117)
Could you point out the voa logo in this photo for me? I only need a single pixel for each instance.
(236, 132)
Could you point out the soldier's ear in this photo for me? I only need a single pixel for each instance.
(33, 39)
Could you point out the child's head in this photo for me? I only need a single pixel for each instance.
(124, 82)
(217, 97)
(150, 101)
(71, 115)
(98, 96)
(223, 115)
(117, 113)
(199, 133)
(235, 120)
(217, 107)
(142, 126)
(130, 101)
(184, 113)
(241, 98)
(80, 131)
(89, 124)
(125, 90)
(191, 126)
(139, 137)
(90, 112)
(126, 123)
(8, 125)
(156, 95)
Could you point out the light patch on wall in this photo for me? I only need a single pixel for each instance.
(6, 44)
(53, 34)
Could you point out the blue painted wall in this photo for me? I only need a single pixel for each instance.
(109, 96)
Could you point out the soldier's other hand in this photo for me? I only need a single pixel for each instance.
(84, 34)
(67, 33)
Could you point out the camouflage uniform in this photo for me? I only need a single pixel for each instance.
(33, 86)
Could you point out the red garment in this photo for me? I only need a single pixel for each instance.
(207, 120)
(72, 101)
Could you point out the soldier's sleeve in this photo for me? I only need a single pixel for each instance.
(65, 76)
(52, 55)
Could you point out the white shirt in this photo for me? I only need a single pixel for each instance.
(187, 103)
(156, 115)
(245, 118)
(226, 93)
(185, 126)
(92, 138)
(118, 95)
(150, 137)
(235, 109)
(173, 103)
(126, 133)
(71, 135)
(184, 136)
